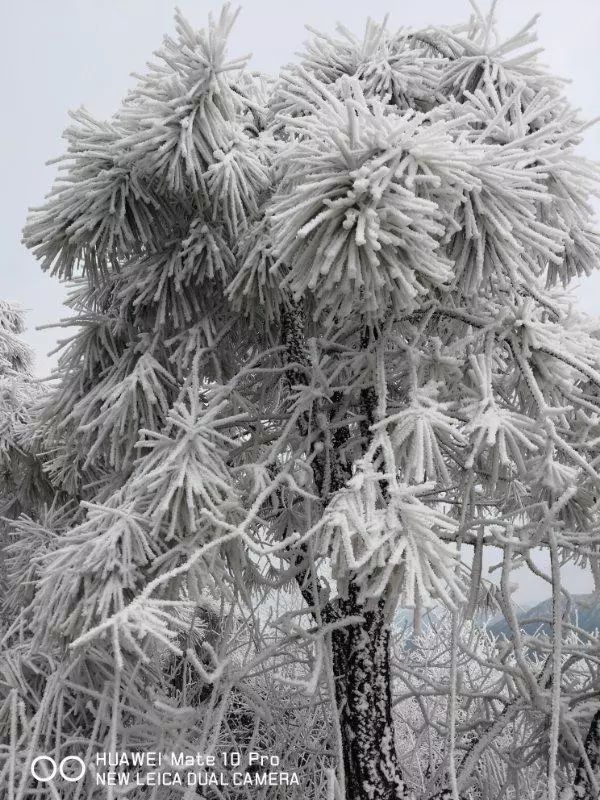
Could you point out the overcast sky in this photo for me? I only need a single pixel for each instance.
(60, 54)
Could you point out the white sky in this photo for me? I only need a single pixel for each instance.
(57, 55)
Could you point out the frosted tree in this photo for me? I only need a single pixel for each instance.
(322, 338)
(15, 394)
(21, 479)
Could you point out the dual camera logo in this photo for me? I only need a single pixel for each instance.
(70, 768)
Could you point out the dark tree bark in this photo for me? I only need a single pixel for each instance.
(361, 667)
(582, 785)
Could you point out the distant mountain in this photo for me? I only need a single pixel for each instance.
(585, 613)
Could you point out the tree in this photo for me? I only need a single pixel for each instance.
(15, 392)
(20, 475)
(323, 337)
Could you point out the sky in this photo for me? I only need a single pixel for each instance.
(62, 54)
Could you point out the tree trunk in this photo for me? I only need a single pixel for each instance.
(360, 652)
(364, 705)
(582, 785)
